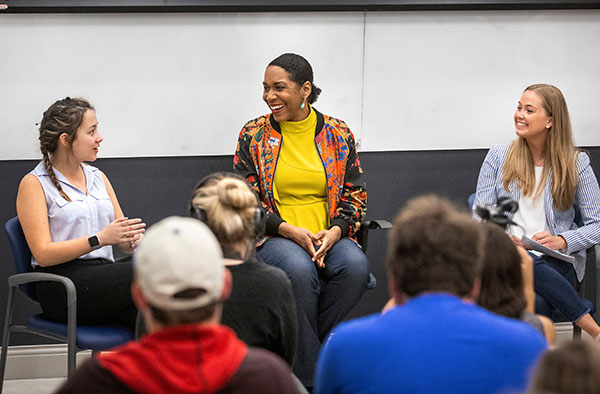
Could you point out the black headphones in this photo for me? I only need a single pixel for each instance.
(500, 213)
(260, 218)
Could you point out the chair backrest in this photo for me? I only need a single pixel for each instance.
(21, 253)
(470, 201)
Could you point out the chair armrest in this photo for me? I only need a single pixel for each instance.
(362, 236)
(30, 277)
(374, 224)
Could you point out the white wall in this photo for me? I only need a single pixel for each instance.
(184, 84)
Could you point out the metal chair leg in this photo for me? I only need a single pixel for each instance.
(576, 332)
(6, 335)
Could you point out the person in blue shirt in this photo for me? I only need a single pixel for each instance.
(436, 339)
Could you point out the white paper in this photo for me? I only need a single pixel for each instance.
(530, 243)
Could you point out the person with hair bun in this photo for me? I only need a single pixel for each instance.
(261, 308)
(71, 218)
(305, 167)
(550, 178)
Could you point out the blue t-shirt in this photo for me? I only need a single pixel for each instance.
(435, 343)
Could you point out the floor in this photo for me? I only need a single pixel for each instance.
(32, 386)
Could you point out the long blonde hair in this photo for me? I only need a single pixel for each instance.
(229, 206)
(560, 153)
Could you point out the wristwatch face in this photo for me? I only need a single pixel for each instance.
(94, 242)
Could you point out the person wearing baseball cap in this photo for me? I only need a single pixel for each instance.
(180, 285)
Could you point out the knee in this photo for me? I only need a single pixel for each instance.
(348, 260)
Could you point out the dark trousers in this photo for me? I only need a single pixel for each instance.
(555, 284)
(103, 292)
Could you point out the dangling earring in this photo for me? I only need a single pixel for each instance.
(302, 106)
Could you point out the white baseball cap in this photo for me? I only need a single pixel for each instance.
(179, 254)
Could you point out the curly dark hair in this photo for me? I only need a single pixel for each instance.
(299, 70)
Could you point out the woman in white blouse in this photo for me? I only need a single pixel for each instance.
(71, 218)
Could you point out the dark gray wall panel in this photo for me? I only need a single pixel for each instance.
(153, 188)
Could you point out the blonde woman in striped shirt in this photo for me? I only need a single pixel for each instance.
(551, 179)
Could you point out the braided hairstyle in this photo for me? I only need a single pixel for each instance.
(64, 116)
(299, 70)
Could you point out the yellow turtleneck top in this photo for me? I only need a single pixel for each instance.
(300, 186)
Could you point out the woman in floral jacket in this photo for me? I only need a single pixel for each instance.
(305, 167)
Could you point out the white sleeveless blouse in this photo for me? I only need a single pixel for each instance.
(84, 215)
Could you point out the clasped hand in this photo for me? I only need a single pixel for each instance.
(317, 245)
(122, 230)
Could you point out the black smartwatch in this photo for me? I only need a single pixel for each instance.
(94, 242)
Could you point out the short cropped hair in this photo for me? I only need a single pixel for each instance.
(434, 247)
(186, 316)
(571, 368)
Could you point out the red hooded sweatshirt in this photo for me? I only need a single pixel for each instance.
(194, 358)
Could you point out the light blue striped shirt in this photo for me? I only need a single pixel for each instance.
(587, 199)
(84, 215)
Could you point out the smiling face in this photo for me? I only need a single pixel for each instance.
(84, 146)
(283, 96)
(531, 120)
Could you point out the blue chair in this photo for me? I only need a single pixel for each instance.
(78, 338)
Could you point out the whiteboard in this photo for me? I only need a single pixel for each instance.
(168, 84)
(452, 80)
(184, 84)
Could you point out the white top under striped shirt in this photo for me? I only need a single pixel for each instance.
(531, 214)
(84, 215)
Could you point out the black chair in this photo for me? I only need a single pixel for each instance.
(363, 233)
(78, 338)
(362, 236)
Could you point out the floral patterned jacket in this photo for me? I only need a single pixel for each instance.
(256, 157)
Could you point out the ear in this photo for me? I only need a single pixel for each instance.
(64, 140)
(138, 297)
(227, 285)
(306, 89)
(396, 294)
(475, 290)
(549, 124)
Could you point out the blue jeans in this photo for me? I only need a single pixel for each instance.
(323, 297)
(555, 282)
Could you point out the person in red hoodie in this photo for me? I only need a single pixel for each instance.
(180, 285)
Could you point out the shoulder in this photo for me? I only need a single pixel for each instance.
(583, 161)
(30, 181)
(262, 372)
(355, 331)
(497, 154)
(500, 150)
(517, 333)
(338, 126)
(272, 279)
(255, 125)
(95, 379)
(270, 271)
(39, 170)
